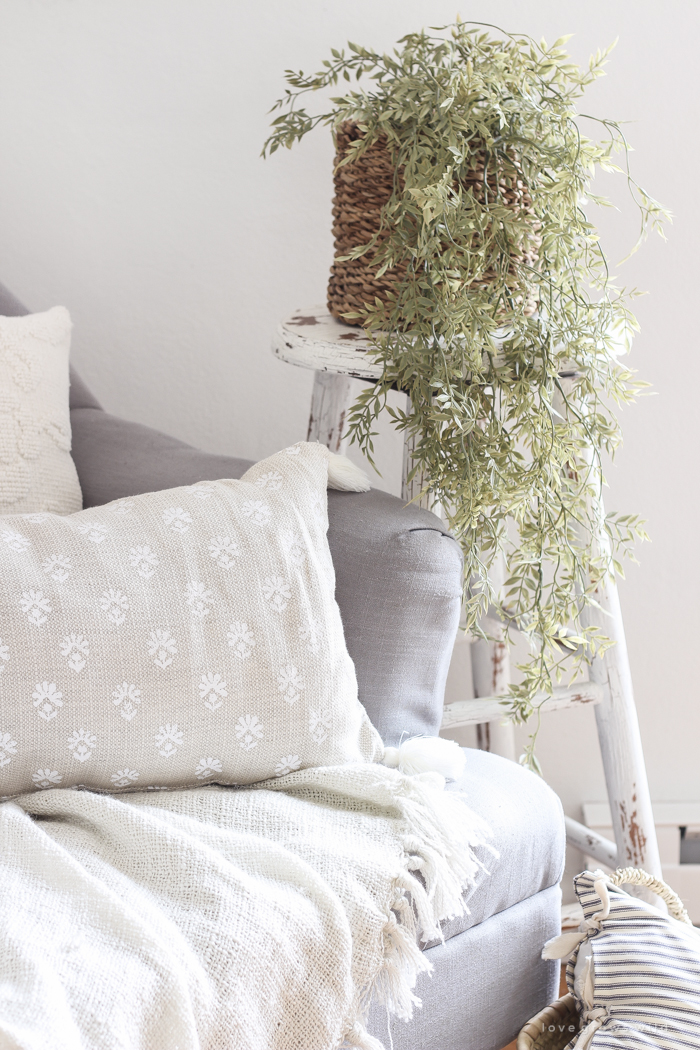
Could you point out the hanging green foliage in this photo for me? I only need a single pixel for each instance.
(507, 331)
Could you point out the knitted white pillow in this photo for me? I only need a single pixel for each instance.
(179, 637)
(36, 469)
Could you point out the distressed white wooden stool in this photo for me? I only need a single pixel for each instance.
(337, 352)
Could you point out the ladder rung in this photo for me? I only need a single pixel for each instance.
(591, 843)
(491, 708)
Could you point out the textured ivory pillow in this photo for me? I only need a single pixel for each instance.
(36, 469)
(179, 637)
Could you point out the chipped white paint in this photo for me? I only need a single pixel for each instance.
(313, 338)
(616, 715)
(330, 401)
(669, 817)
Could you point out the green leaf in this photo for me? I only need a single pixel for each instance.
(506, 328)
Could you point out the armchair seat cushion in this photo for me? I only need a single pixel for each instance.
(527, 824)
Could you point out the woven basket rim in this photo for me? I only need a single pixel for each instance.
(561, 1011)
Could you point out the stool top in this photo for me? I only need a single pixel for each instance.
(313, 338)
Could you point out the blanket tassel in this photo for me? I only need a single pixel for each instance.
(358, 1038)
(426, 754)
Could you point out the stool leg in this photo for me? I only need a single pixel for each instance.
(617, 723)
(491, 677)
(616, 716)
(410, 489)
(330, 402)
(621, 743)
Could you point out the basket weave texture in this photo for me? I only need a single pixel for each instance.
(365, 186)
(362, 189)
(552, 1028)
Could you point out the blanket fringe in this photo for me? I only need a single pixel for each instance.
(439, 837)
(358, 1038)
(439, 841)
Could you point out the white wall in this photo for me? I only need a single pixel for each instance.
(131, 190)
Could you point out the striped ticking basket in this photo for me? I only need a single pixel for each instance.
(633, 973)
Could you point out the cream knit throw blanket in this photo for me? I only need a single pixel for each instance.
(224, 919)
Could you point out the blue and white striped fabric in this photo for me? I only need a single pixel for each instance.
(642, 986)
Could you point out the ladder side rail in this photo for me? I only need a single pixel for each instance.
(491, 677)
(621, 742)
(617, 723)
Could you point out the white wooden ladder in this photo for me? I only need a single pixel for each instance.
(337, 352)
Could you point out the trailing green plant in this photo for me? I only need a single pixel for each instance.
(508, 330)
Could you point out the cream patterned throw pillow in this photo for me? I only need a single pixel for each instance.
(182, 637)
(36, 469)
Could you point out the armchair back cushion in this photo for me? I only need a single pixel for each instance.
(398, 570)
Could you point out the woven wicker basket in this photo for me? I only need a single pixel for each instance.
(552, 1028)
(362, 189)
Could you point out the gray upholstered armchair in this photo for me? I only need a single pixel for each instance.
(398, 588)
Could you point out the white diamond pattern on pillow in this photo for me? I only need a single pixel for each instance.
(37, 473)
(138, 651)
